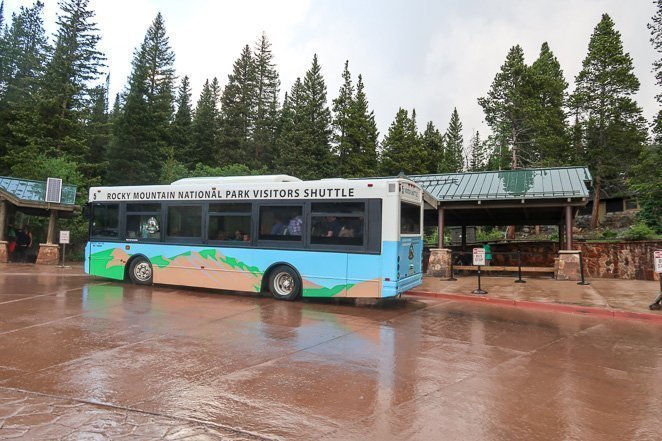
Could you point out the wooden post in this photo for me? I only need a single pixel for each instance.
(440, 223)
(560, 237)
(464, 237)
(568, 227)
(3, 220)
(51, 227)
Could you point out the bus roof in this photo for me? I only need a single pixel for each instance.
(236, 179)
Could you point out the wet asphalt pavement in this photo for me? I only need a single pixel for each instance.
(84, 358)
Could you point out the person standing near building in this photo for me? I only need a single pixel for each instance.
(488, 254)
(23, 242)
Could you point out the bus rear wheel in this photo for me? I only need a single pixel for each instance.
(140, 271)
(284, 283)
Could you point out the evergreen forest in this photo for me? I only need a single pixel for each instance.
(57, 118)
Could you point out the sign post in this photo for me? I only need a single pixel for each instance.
(64, 240)
(478, 260)
(657, 257)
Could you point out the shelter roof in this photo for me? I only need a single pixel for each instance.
(32, 194)
(503, 185)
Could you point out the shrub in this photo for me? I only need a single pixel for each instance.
(609, 234)
(638, 231)
(489, 235)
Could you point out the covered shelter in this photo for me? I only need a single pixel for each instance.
(30, 197)
(540, 196)
(536, 196)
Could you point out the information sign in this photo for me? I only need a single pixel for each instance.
(658, 261)
(479, 257)
(64, 237)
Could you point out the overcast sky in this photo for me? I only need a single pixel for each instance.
(428, 55)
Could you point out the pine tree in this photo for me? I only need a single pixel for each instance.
(402, 147)
(3, 47)
(550, 145)
(65, 90)
(646, 174)
(656, 40)
(181, 131)
(237, 111)
(453, 159)
(478, 154)
(304, 142)
(266, 106)
(291, 131)
(97, 129)
(361, 136)
(433, 143)
(507, 108)
(141, 131)
(22, 62)
(205, 128)
(341, 121)
(613, 129)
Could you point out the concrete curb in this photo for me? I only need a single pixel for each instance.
(554, 307)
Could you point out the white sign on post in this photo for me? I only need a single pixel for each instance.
(658, 261)
(64, 237)
(479, 257)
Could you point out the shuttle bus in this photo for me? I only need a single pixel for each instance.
(277, 234)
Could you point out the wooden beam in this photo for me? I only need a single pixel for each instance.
(3, 219)
(440, 224)
(52, 220)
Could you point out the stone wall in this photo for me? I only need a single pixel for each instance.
(540, 253)
(614, 260)
(620, 260)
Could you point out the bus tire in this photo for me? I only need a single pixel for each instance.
(140, 271)
(284, 283)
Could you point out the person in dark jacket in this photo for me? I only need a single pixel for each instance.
(23, 243)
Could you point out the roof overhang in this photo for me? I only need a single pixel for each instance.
(36, 205)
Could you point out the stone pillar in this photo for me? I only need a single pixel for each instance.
(4, 252)
(440, 223)
(440, 263)
(568, 268)
(49, 254)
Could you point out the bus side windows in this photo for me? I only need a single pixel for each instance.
(281, 222)
(143, 221)
(338, 223)
(230, 222)
(185, 221)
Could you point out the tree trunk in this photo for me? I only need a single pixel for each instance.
(510, 232)
(595, 213)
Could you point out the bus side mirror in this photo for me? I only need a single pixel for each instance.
(87, 211)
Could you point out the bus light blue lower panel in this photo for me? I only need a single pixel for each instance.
(324, 274)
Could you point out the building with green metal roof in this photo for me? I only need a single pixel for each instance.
(31, 198)
(537, 196)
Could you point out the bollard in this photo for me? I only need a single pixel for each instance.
(581, 270)
(478, 291)
(451, 278)
(519, 268)
(657, 303)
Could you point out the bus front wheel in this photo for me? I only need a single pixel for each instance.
(284, 283)
(140, 271)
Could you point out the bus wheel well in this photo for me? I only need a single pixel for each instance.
(127, 265)
(264, 286)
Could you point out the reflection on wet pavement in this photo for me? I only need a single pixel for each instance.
(88, 359)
